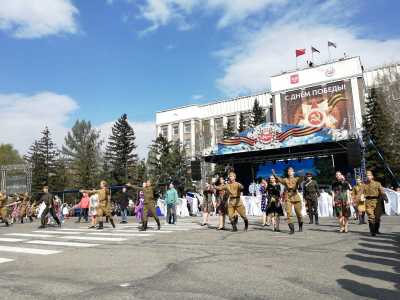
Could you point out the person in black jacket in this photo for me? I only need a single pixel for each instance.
(48, 199)
(311, 195)
(123, 204)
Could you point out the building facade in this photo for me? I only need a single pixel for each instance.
(200, 127)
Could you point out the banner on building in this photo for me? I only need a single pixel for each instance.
(273, 136)
(329, 106)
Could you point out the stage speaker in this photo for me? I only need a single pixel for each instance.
(354, 154)
(195, 166)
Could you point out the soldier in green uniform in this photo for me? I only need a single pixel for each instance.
(48, 199)
(311, 194)
(374, 197)
(233, 190)
(358, 199)
(291, 184)
(24, 206)
(149, 203)
(104, 204)
(3, 208)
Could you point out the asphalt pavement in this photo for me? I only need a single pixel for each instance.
(187, 261)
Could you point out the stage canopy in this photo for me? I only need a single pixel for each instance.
(272, 141)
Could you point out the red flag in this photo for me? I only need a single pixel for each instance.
(300, 52)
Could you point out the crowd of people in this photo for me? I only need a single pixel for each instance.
(280, 197)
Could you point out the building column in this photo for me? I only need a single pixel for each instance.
(169, 135)
(193, 138)
(277, 108)
(181, 132)
(237, 122)
(212, 129)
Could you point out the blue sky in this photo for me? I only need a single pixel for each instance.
(66, 59)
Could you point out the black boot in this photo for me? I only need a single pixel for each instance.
(300, 226)
(22, 220)
(234, 227)
(6, 222)
(291, 227)
(316, 219)
(158, 224)
(363, 218)
(360, 219)
(100, 225)
(246, 224)
(372, 229)
(236, 219)
(144, 226)
(311, 219)
(112, 222)
(377, 225)
(30, 219)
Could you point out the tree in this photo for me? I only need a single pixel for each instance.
(43, 156)
(120, 154)
(82, 149)
(242, 122)
(158, 162)
(382, 127)
(8, 155)
(229, 130)
(257, 115)
(180, 166)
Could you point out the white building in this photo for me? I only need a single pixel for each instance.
(200, 127)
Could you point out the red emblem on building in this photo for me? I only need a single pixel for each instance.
(294, 78)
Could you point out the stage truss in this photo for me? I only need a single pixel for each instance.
(16, 178)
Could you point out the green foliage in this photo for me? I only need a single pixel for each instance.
(257, 115)
(120, 157)
(9, 156)
(43, 156)
(242, 122)
(382, 127)
(229, 130)
(325, 170)
(82, 149)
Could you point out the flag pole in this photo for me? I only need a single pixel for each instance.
(312, 56)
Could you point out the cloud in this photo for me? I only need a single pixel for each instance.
(27, 19)
(164, 12)
(23, 117)
(255, 55)
(145, 133)
(197, 97)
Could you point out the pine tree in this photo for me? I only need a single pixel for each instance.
(82, 149)
(43, 155)
(180, 166)
(9, 156)
(229, 130)
(257, 115)
(158, 162)
(120, 154)
(242, 122)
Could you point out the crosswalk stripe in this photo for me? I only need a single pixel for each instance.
(76, 229)
(28, 250)
(11, 240)
(141, 232)
(55, 232)
(67, 244)
(29, 235)
(120, 234)
(4, 260)
(92, 238)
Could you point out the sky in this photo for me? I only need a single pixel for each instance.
(63, 60)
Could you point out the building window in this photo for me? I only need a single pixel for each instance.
(164, 131)
(175, 132)
(218, 129)
(207, 133)
(187, 137)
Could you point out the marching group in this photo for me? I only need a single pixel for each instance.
(280, 197)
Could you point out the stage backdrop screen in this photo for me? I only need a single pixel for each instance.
(329, 105)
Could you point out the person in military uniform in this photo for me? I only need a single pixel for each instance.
(233, 190)
(3, 208)
(374, 198)
(104, 204)
(358, 198)
(311, 194)
(207, 205)
(23, 210)
(291, 187)
(148, 204)
(48, 200)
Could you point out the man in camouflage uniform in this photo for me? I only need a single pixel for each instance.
(293, 199)
(104, 205)
(235, 203)
(149, 203)
(3, 208)
(374, 198)
(311, 194)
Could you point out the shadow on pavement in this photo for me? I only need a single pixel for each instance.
(382, 250)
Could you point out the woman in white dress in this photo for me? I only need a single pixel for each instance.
(93, 202)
